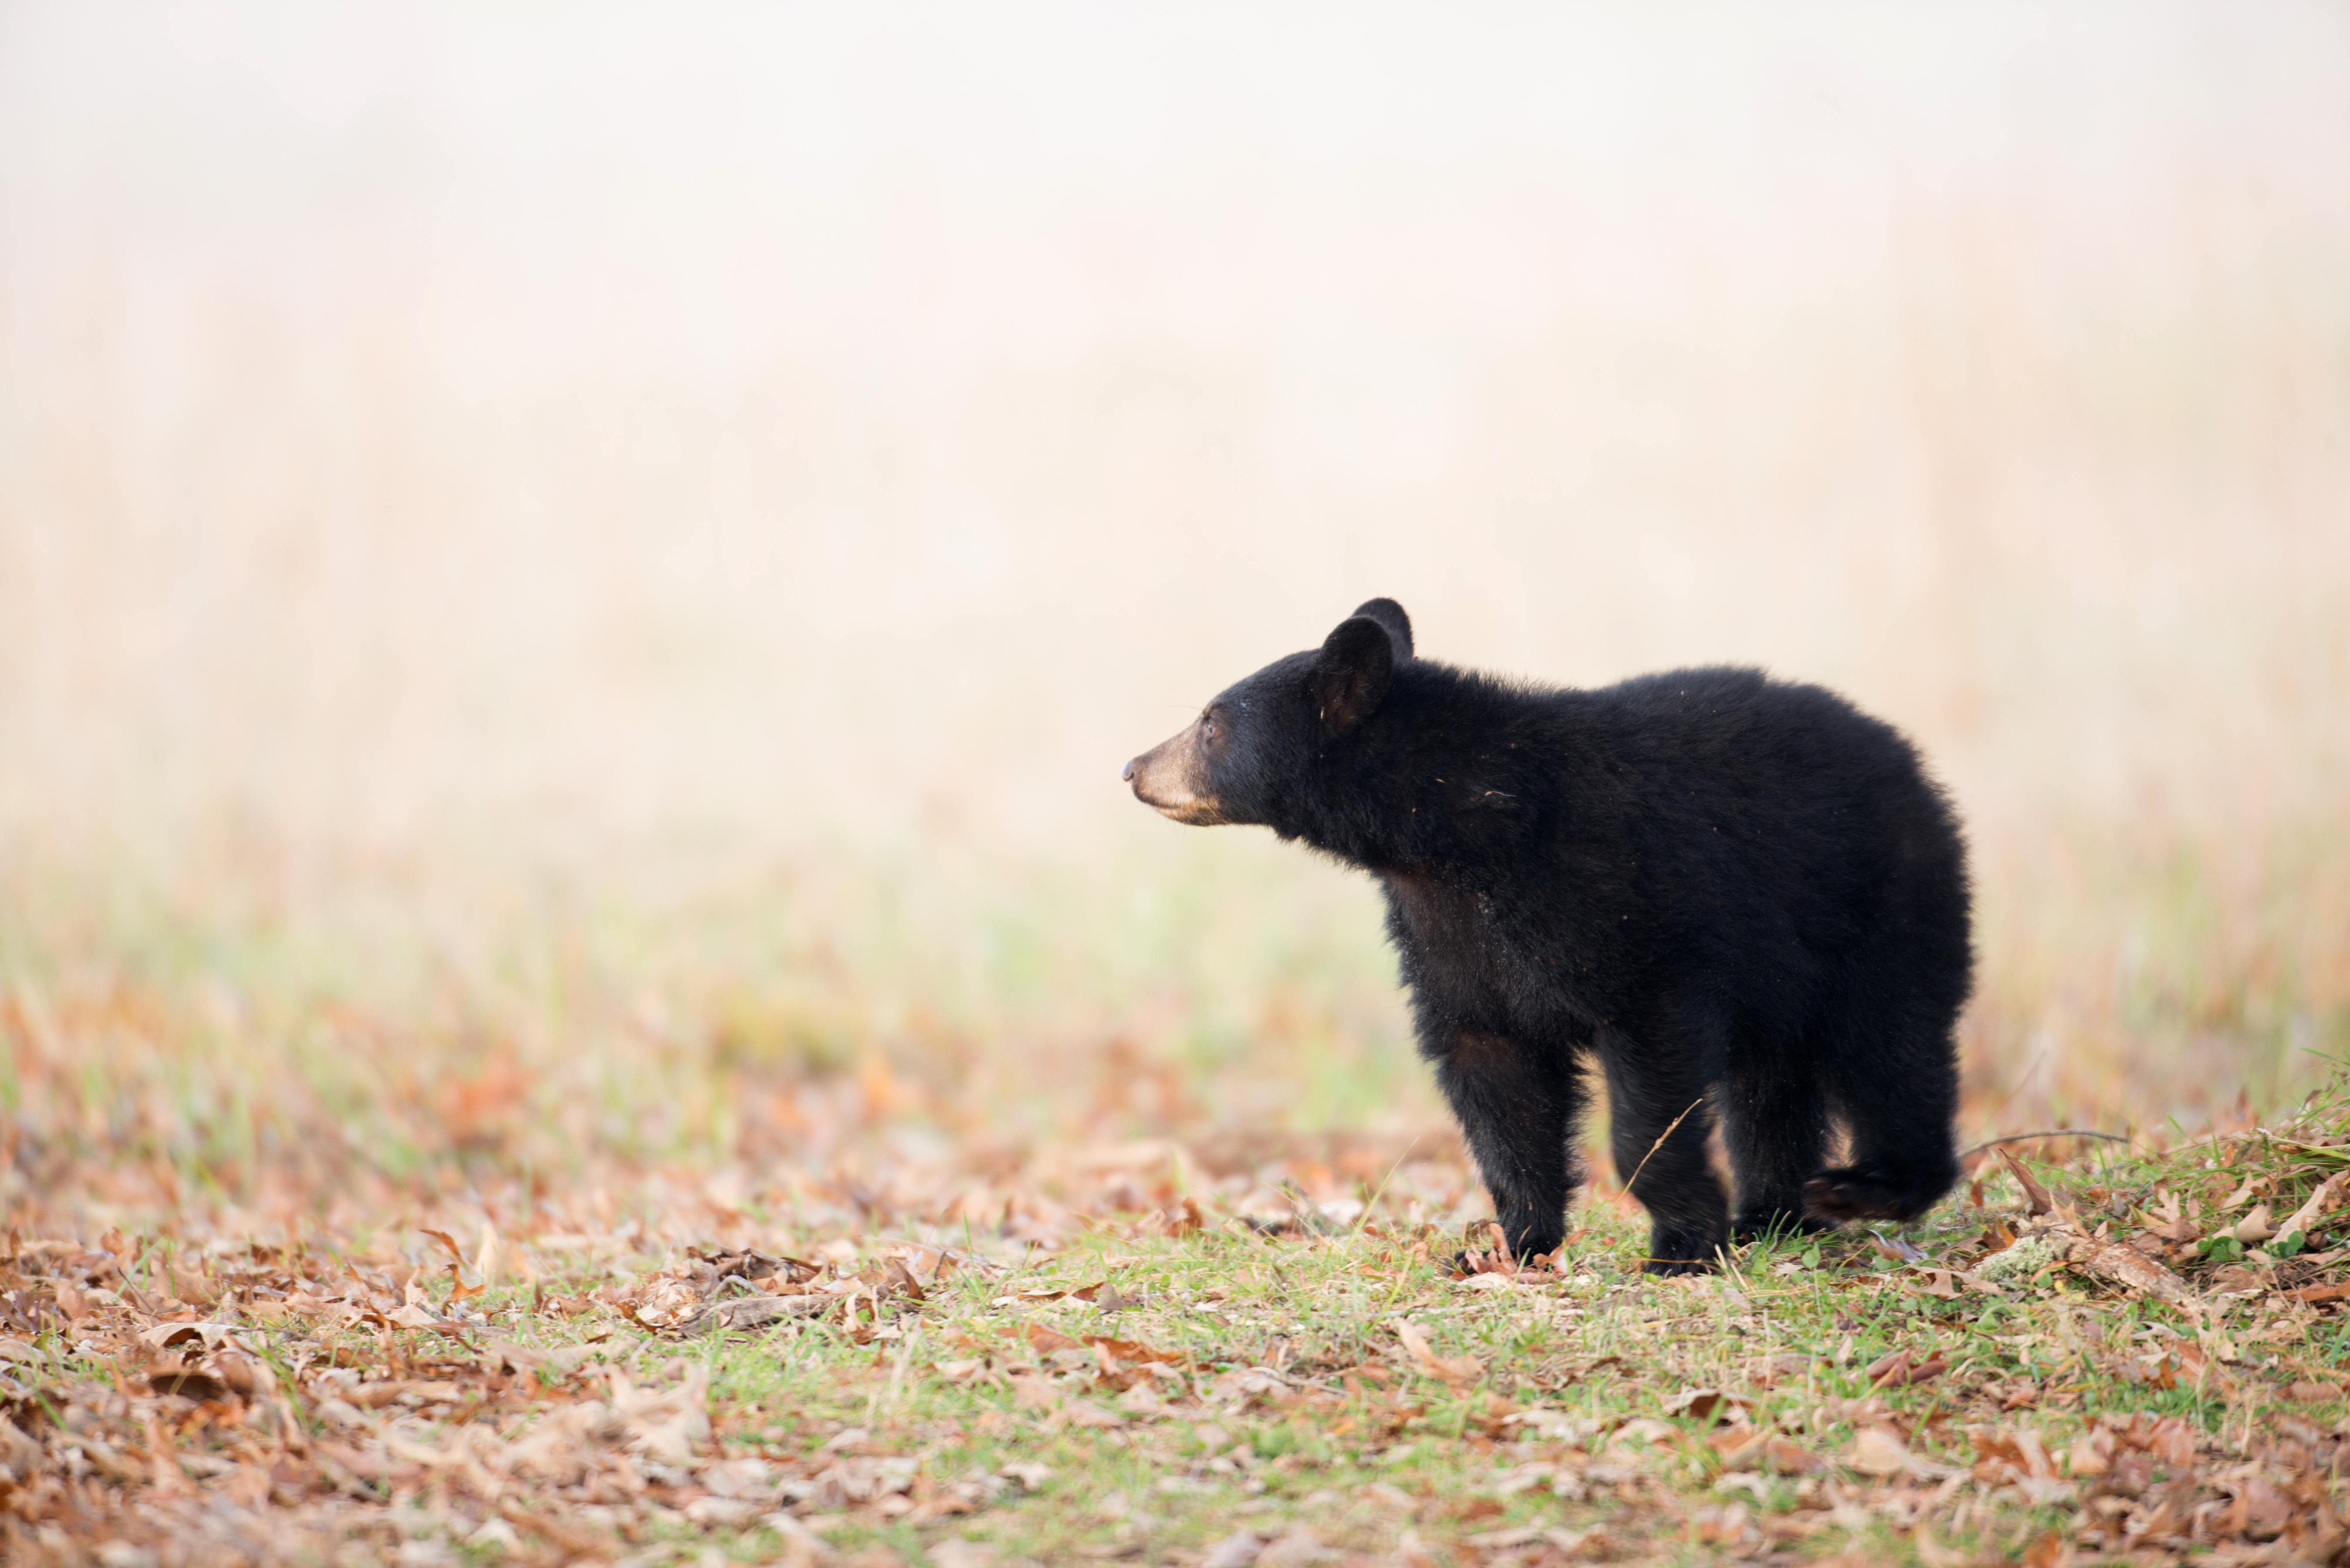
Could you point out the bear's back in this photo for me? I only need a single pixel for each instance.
(1721, 735)
(1737, 802)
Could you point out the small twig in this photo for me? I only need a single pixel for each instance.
(2051, 1132)
(2200, 1139)
(1658, 1145)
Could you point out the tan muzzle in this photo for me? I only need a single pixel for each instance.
(1171, 779)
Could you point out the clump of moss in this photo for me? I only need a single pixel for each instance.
(2024, 1258)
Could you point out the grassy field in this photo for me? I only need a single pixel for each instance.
(658, 1238)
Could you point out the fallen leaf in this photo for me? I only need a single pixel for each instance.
(664, 1426)
(2048, 1551)
(1503, 1540)
(953, 1552)
(2303, 1220)
(1706, 1403)
(1035, 1393)
(2260, 1510)
(553, 1532)
(376, 1395)
(1934, 1554)
(523, 1359)
(2173, 1442)
(2121, 1265)
(2034, 1194)
(754, 1312)
(1877, 1452)
(1740, 1448)
(164, 1336)
(1900, 1369)
(1451, 1369)
(1238, 1550)
(200, 1387)
(1134, 1350)
(448, 1242)
(1082, 1292)
(1180, 1219)
(1046, 1340)
(1082, 1413)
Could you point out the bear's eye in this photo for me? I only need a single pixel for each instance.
(1207, 727)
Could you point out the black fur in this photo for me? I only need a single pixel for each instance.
(1743, 899)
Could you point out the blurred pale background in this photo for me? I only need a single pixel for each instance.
(657, 526)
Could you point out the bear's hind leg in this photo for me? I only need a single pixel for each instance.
(1891, 1061)
(1660, 1126)
(1774, 1123)
(1901, 1106)
(1518, 1111)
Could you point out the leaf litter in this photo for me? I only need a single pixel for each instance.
(2133, 1356)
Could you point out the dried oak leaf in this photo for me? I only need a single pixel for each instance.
(664, 1426)
(2048, 1551)
(2035, 1195)
(1707, 1404)
(752, 1311)
(1903, 1367)
(1879, 1451)
(2329, 1196)
(2113, 1263)
(1449, 1368)
(1082, 1413)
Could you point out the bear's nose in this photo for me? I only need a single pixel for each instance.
(1126, 772)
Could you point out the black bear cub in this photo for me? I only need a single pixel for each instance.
(1742, 898)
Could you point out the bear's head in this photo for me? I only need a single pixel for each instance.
(1246, 758)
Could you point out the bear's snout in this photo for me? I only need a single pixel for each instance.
(1169, 779)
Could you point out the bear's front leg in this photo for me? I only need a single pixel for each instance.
(1518, 1111)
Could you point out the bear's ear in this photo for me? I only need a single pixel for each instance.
(1351, 673)
(1390, 614)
